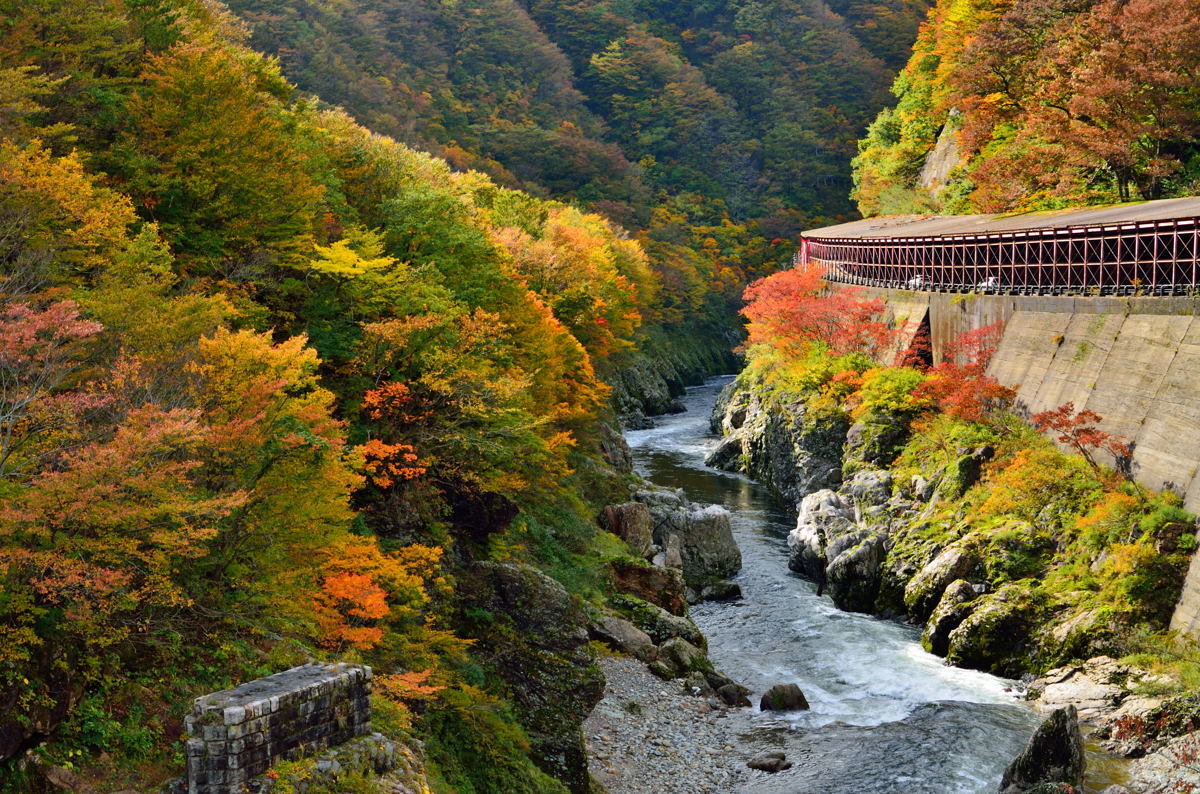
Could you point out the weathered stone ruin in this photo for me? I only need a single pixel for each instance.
(235, 735)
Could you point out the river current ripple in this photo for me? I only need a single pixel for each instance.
(886, 716)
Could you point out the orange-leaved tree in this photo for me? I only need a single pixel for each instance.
(959, 384)
(792, 309)
(365, 591)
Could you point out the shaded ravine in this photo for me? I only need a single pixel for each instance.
(886, 716)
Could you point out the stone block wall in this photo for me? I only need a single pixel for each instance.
(235, 735)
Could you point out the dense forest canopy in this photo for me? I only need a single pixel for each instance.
(275, 381)
(1039, 104)
(744, 110)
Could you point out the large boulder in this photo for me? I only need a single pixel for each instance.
(995, 637)
(698, 539)
(951, 611)
(631, 522)
(783, 697)
(707, 546)
(1054, 755)
(660, 586)
(924, 590)
(622, 635)
(855, 570)
(822, 517)
(536, 641)
(660, 624)
(681, 657)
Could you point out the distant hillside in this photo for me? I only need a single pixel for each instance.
(747, 110)
(1032, 104)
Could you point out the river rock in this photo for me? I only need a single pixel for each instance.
(726, 455)
(925, 590)
(694, 683)
(1096, 687)
(723, 590)
(853, 575)
(681, 657)
(734, 695)
(657, 585)
(995, 636)
(707, 545)
(822, 516)
(631, 523)
(951, 611)
(622, 635)
(699, 540)
(783, 697)
(772, 761)
(660, 624)
(1054, 755)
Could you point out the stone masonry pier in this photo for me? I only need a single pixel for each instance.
(236, 734)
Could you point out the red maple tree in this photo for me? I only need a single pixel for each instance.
(792, 309)
(1079, 431)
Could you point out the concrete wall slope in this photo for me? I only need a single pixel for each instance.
(1134, 361)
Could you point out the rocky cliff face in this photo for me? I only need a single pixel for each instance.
(649, 381)
(869, 540)
(782, 445)
(536, 641)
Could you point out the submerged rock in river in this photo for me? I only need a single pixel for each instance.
(784, 697)
(1054, 755)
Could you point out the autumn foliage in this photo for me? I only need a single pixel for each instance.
(1078, 430)
(1051, 103)
(794, 308)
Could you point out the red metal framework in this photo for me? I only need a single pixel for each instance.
(1160, 257)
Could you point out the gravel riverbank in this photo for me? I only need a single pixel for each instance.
(647, 736)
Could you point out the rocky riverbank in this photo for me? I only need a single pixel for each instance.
(1008, 568)
(648, 736)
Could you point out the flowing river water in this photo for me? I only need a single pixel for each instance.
(885, 715)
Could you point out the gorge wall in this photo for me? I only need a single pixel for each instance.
(1134, 361)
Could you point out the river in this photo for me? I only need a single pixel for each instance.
(885, 715)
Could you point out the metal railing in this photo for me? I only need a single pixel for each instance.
(1159, 257)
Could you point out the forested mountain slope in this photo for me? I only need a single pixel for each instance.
(747, 110)
(275, 387)
(1039, 104)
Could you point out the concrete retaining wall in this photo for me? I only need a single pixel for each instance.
(1134, 361)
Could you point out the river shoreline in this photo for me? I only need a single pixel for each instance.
(932, 728)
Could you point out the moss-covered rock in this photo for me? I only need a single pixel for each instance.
(536, 642)
(854, 574)
(779, 441)
(873, 442)
(660, 624)
(996, 636)
(924, 591)
(951, 611)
